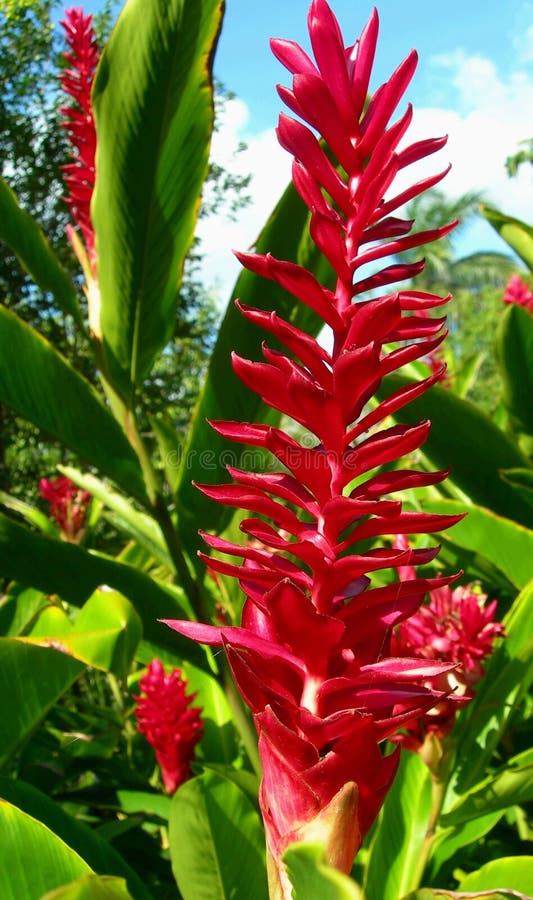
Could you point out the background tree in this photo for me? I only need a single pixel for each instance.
(35, 147)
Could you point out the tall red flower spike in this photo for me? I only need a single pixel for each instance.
(312, 655)
(169, 723)
(518, 291)
(77, 82)
(68, 505)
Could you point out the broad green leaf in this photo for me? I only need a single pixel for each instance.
(33, 860)
(512, 784)
(513, 872)
(153, 108)
(91, 887)
(32, 679)
(313, 879)
(223, 396)
(514, 347)
(219, 742)
(30, 513)
(465, 377)
(464, 438)
(521, 480)
(448, 841)
(138, 525)
(34, 253)
(155, 805)
(216, 842)
(517, 234)
(509, 674)
(105, 635)
(170, 448)
(507, 545)
(57, 567)
(39, 384)
(18, 609)
(98, 853)
(396, 847)
(429, 894)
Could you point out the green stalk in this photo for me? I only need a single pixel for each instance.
(438, 792)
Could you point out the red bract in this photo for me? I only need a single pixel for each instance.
(68, 505)
(169, 723)
(518, 291)
(77, 81)
(312, 655)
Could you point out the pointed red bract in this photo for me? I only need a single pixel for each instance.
(312, 656)
(169, 723)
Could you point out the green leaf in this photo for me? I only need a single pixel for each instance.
(18, 608)
(34, 253)
(57, 567)
(155, 805)
(464, 378)
(40, 385)
(223, 396)
(448, 841)
(219, 742)
(138, 525)
(96, 852)
(105, 635)
(395, 849)
(91, 887)
(30, 513)
(509, 674)
(216, 842)
(512, 784)
(32, 859)
(153, 108)
(514, 348)
(507, 545)
(513, 872)
(32, 679)
(521, 480)
(170, 448)
(517, 234)
(313, 879)
(429, 894)
(464, 438)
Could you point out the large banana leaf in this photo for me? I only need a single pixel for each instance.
(464, 438)
(517, 234)
(223, 395)
(39, 384)
(514, 346)
(153, 108)
(28, 242)
(71, 572)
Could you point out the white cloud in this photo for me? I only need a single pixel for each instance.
(490, 118)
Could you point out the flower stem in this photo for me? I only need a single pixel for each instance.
(438, 792)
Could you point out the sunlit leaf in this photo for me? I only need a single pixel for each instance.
(517, 234)
(313, 879)
(153, 108)
(513, 872)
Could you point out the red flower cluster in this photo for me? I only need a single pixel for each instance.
(68, 505)
(169, 723)
(312, 657)
(77, 82)
(518, 291)
(457, 627)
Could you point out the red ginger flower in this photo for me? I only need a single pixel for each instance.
(77, 82)
(68, 505)
(312, 656)
(518, 291)
(169, 723)
(457, 627)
